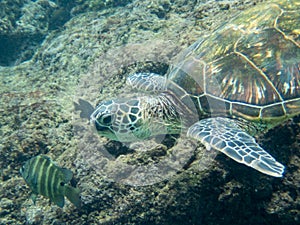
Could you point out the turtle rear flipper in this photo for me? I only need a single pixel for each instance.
(226, 136)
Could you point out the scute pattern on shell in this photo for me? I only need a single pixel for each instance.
(251, 64)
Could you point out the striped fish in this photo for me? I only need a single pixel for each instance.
(44, 177)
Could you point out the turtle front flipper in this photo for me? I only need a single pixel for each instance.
(147, 82)
(225, 135)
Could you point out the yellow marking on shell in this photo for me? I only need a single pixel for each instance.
(241, 88)
(234, 90)
(282, 32)
(260, 93)
(244, 57)
(293, 89)
(252, 24)
(278, 60)
(239, 27)
(296, 31)
(258, 55)
(258, 44)
(268, 53)
(286, 87)
(216, 69)
(226, 49)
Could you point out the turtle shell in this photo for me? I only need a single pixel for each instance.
(249, 67)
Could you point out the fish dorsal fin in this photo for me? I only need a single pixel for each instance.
(67, 174)
(59, 200)
(45, 157)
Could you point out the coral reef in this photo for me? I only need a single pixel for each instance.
(86, 54)
(23, 26)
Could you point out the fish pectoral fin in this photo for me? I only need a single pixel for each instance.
(73, 194)
(33, 197)
(67, 174)
(59, 200)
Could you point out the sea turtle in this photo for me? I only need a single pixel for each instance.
(241, 80)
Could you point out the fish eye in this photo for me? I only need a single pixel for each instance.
(62, 183)
(106, 119)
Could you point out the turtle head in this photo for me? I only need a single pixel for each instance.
(120, 120)
(129, 120)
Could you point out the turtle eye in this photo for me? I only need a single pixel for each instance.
(106, 119)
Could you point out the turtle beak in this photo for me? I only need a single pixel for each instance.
(101, 129)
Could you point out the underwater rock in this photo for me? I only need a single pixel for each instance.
(38, 116)
(23, 26)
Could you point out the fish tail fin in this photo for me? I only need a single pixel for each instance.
(73, 195)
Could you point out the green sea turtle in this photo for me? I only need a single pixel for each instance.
(240, 81)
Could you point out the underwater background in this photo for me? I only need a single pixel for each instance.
(54, 54)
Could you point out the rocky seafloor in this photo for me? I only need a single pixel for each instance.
(54, 53)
